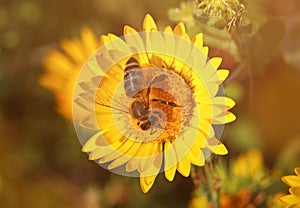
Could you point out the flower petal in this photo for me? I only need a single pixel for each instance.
(223, 74)
(170, 161)
(223, 119)
(147, 182)
(149, 24)
(125, 157)
(198, 40)
(74, 49)
(297, 171)
(90, 41)
(136, 44)
(179, 29)
(90, 145)
(289, 199)
(181, 150)
(291, 180)
(127, 144)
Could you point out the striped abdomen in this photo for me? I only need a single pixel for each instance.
(133, 78)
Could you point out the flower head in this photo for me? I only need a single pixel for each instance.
(226, 12)
(293, 199)
(62, 68)
(153, 99)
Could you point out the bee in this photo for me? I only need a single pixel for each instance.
(134, 86)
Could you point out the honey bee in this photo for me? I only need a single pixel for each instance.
(134, 86)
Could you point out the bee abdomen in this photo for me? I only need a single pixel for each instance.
(133, 78)
(131, 64)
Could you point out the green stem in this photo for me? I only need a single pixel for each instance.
(211, 183)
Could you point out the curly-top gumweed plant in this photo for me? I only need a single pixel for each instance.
(153, 100)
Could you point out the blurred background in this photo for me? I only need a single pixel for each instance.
(41, 163)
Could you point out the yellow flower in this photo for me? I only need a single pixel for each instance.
(275, 200)
(245, 181)
(155, 105)
(293, 199)
(249, 165)
(199, 201)
(62, 68)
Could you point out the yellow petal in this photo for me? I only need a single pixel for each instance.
(89, 123)
(179, 29)
(184, 167)
(56, 60)
(223, 74)
(291, 180)
(75, 50)
(104, 150)
(216, 62)
(149, 24)
(196, 156)
(126, 157)
(204, 50)
(90, 145)
(297, 171)
(183, 47)
(117, 43)
(209, 69)
(289, 199)
(198, 40)
(170, 161)
(200, 92)
(212, 88)
(223, 102)
(170, 46)
(219, 149)
(104, 40)
(147, 182)
(223, 119)
(104, 62)
(111, 135)
(204, 127)
(100, 152)
(168, 30)
(136, 44)
(155, 45)
(181, 150)
(133, 39)
(149, 156)
(90, 42)
(198, 61)
(295, 191)
(205, 111)
(127, 144)
(140, 157)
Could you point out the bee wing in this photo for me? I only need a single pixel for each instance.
(159, 78)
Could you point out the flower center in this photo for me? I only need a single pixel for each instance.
(162, 107)
(162, 114)
(164, 101)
